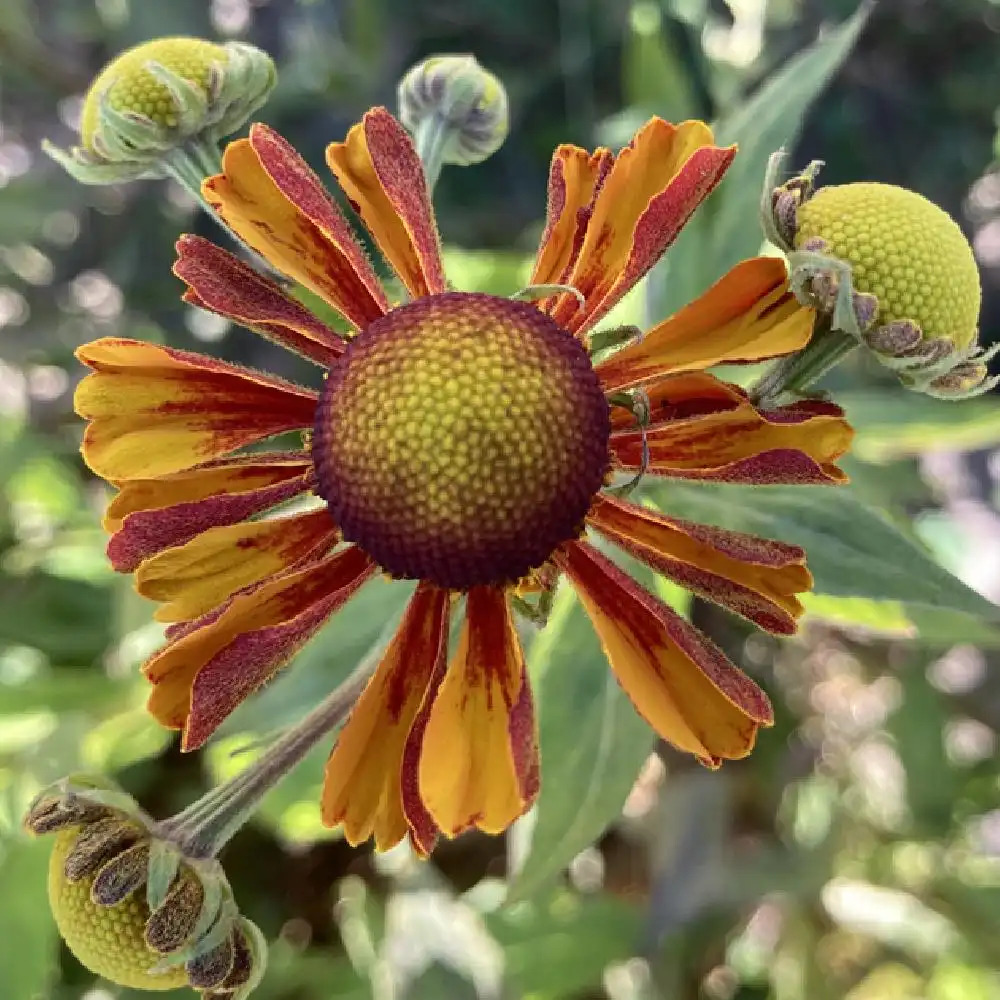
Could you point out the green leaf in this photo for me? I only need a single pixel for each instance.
(560, 944)
(917, 727)
(883, 617)
(942, 627)
(726, 229)
(931, 627)
(899, 424)
(853, 551)
(27, 930)
(657, 77)
(68, 620)
(593, 744)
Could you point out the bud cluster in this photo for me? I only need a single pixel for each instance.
(132, 906)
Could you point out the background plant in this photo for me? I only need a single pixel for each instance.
(855, 853)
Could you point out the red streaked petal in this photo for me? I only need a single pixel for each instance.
(652, 189)
(147, 532)
(479, 751)
(201, 574)
(424, 831)
(223, 476)
(747, 315)
(270, 198)
(742, 442)
(755, 577)
(681, 397)
(575, 177)
(154, 410)
(223, 284)
(678, 680)
(380, 172)
(362, 788)
(208, 670)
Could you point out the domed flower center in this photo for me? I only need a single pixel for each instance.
(461, 438)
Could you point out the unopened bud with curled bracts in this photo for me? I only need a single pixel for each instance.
(161, 108)
(888, 268)
(456, 110)
(133, 906)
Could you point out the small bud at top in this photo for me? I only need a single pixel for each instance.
(158, 96)
(466, 101)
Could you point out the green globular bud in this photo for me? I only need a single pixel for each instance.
(107, 854)
(456, 110)
(886, 267)
(161, 96)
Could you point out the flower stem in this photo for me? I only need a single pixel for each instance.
(431, 141)
(204, 827)
(789, 377)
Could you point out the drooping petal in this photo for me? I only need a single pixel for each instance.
(479, 751)
(362, 786)
(154, 410)
(209, 669)
(199, 575)
(681, 397)
(754, 577)
(747, 315)
(380, 172)
(652, 189)
(223, 284)
(218, 478)
(270, 198)
(743, 444)
(575, 177)
(147, 532)
(678, 680)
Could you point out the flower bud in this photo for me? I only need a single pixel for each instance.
(470, 102)
(132, 907)
(158, 96)
(889, 267)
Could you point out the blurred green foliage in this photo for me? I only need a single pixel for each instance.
(856, 854)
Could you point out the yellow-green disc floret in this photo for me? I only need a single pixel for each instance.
(107, 940)
(904, 250)
(131, 87)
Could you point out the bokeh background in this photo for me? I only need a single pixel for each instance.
(857, 853)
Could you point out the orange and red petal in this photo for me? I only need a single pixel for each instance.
(218, 661)
(747, 315)
(154, 410)
(362, 788)
(146, 532)
(738, 443)
(381, 174)
(650, 192)
(192, 578)
(681, 397)
(272, 200)
(755, 577)
(222, 476)
(223, 284)
(478, 762)
(678, 680)
(575, 177)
